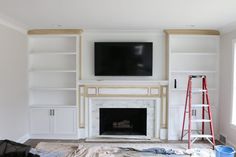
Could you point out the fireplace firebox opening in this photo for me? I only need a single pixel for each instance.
(123, 121)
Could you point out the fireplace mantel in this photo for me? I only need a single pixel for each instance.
(117, 90)
(123, 82)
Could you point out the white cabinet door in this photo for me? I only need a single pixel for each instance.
(175, 122)
(64, 121)
(40, 121)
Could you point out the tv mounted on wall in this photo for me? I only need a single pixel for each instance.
(123, 58)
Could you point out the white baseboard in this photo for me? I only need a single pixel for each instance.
(23, 139)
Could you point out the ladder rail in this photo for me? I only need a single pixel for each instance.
(209, 113)
(186, 102)
(190, 113)
(205, 106)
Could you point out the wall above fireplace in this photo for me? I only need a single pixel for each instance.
(88, 57)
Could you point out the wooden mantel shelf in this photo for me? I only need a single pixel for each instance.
(123, 82)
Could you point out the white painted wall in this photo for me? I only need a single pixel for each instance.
(226, 77)
(157, 37)
(13, 84)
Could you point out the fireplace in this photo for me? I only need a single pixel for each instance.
(123, 121)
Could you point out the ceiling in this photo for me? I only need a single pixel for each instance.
(121, 14)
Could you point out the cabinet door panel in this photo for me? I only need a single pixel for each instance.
(175, 123)
(64, 121)
(40, 121)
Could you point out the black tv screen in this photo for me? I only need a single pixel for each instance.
(123, 58)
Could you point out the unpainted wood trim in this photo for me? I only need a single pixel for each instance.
(192, 31)
(123, 86)
(54, 31)
(167, 106)
(161, 120)
(164, 96)
(124, 95)
(96, 91)
(167, 36)
(81, 96)
(85, 94)
(150, 91)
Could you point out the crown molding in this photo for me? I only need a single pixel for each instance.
(54, 31)
(13, 24)
(192, 31)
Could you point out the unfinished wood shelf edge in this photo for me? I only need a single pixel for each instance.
(54, 31)
(192, 31)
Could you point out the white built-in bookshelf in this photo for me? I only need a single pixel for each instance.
(53, 75)
(52, 70)
(190, 54)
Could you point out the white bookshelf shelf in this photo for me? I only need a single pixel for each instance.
(193, 71)
(53, 89)
(184, 90)
(52, 71)
(174, 53)
(52, 53)
(52, 105)
(183, 105)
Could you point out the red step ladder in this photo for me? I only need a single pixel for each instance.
(205, 106)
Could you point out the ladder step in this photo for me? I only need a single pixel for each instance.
(198, 90)
(201, 136)
(199, 105)
(200, 120)
(192, 130)
(198, 76)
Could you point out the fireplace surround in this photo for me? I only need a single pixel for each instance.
(97, 95)
(152, 111)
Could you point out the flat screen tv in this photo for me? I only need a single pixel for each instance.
(123, 58)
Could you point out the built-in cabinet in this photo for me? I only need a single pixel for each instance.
(53, 122)
(190, 53)
(53, 74)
